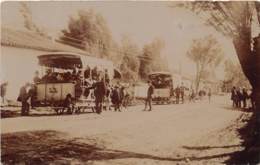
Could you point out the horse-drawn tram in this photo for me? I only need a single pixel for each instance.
(163, 87)
(63, 85)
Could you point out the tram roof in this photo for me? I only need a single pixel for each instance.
(63, 60)
(160, 73)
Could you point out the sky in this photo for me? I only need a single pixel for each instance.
(142, 21)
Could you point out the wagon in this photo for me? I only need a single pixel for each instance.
(53, 92)
(163, 87)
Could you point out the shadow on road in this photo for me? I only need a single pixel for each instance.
(207, 147)
(251, 142)
(43, 147)
(237, 109)
(34, 113)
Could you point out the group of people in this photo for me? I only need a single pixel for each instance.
(107, 95)
(179, 93)
(242, 98)
(69, 76)
(94, 84)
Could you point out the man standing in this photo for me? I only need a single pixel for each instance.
(209, 95)
(32, 93)
(107, 79)
(122, 97)
(115, 98)
(99, 92)
(233, 96)
(23, 97)
(244, 97)
(177, 91)
(182, 93)
(149, 96)
(239, 97)
(3, 92)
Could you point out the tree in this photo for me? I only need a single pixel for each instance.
(28, 21)
(234, 75)
(206, 54)
(129, 63)
(151, 59)
(236, 21)
(88, 31)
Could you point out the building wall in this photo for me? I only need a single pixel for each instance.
(18, 66)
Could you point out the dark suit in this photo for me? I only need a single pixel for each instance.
(149, 97)
(99, 92)
(115, 98)
(23, 97)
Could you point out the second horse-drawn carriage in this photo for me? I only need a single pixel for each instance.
(163, 87)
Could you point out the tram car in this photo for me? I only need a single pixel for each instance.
(163, 87)
(57, 81)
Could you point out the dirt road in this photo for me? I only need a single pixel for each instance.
(199, 133)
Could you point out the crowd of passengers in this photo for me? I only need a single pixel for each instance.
(70, 76)
(161, 82)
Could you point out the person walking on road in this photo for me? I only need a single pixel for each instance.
(122, 97)
(234, 96)
(244, 97)
(192, 95)
(24, 97)
(239, 97)
(115, 98)
(177, 91)
(182, 93)
(209, 95)
(3, 92)
(149, 96)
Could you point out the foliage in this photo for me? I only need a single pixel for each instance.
(235, 20)
(151, 59)
(28, 21)
(234, 75)
(89, 31)
(207, 54)
(129, 63)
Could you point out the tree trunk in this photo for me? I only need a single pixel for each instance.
(256, 87)
(197, 80)
(250, 63)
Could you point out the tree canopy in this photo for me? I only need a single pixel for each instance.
(129, 63)
(29, 24)
(207, 54)
(88, 31)
(234, 19)
(151, 59)
(234, 74)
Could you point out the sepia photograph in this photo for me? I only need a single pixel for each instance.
(130, 82)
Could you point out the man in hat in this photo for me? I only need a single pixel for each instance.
(149, 96)
(115, 98)
(99, 92)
